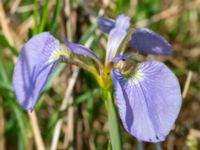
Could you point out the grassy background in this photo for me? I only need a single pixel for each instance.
(83, 123)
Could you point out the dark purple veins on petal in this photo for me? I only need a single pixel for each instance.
(149, 42)
(148, 100)
(32, 69)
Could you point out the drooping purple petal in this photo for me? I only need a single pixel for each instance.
(147, 41)
(116, 37)
(81, 50)
(148, 99)
(105, 24)
(32, 69)
(123, 57)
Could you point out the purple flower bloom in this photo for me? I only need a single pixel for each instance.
(143, 39)
(37, 60)
(148, 93)
(32, 69)
(149, 100)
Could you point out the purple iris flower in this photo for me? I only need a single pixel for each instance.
(147, 93)
(33, 68)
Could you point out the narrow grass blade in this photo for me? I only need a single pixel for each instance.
(35, 12)
(5, 43)
(44, 16)
(56, 15)
(3, 75)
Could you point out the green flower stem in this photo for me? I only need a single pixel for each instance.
(36, 9)
(113, 122)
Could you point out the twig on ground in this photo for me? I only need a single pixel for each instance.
(36, 131)
(194, 133)
(24, 27)
(69, 118)
(26, 8)
(174, 10)
(4, 23)
(15, 5)
(2, 126)
(68, 93)
(187, 84)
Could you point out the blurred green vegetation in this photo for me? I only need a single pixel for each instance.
(177, 20)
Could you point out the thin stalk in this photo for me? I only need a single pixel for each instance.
(36, 131)
(113, 122)
(158, 146)
(140, 145)
(56, 15)
(44, 16)
(35, 12)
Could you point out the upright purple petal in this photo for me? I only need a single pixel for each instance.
(147, 41)
(116, 37)
(123, 57)
(33, 69)
(81, 50)
(105, 24)
(148, 99)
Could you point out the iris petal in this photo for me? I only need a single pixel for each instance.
(147, 41)
(143, 39)
(105, 24)
(33, 69)
(116, 37)
(148, 99)
(81, 50)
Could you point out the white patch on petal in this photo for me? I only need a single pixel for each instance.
(136, 77)
(57, 54)
(54, 56)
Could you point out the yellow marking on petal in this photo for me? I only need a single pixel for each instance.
(134, 76)
(57, 54)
